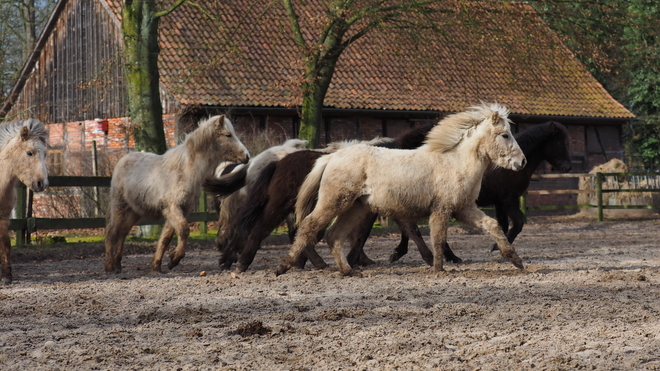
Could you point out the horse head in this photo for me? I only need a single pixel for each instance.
(230, 148)
(503, 149)
(556, 150)
(29, 154)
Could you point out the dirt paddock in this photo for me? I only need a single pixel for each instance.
(589, 298)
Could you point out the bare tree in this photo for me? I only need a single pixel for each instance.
(140, 20)
(20, 25)
(342, 23)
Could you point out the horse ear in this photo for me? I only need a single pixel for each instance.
(495, 118)
(553, 127)
(220, 122)
(25, 133)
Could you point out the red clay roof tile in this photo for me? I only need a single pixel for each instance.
(388, 69)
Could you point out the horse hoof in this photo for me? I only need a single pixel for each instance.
(365, 262)
(518, 264)
(394, 257)
(7, 281)
(112, 269)
(515, 260)
(240, 268)
(455, 260)
(494, 248)
(281, 269)
(353, 273)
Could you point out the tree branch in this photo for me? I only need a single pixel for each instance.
(169, 10)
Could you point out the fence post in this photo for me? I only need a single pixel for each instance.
(523, 206)
(202, 208)
(95, 172)
(599, 195)
(21, 205)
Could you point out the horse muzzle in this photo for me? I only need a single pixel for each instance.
(39, 185)
(519, 165)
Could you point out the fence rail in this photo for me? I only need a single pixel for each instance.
(26, 224)
(610, 179)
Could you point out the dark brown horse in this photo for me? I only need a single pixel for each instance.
(502, 188)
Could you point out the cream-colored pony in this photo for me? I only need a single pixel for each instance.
(22, 158)
(439, 180)
(157, 186)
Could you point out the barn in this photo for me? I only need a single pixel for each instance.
(238, 57)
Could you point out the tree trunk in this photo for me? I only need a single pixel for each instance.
(140, 30)
(29, 27)
(318, 77)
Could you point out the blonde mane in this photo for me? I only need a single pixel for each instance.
(201, 139)
(452, 129)
(11, 129)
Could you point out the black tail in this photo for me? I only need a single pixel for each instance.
(257, 198)
(226, 184)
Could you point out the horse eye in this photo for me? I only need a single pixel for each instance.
(228, 135)
(29, 153)
(505, 136)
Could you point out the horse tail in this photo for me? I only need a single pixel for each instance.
(226, 184)
(308, 194)
(257, 198)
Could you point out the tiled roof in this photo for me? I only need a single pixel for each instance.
(388, 69)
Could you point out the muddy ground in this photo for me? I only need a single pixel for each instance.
(589, 298)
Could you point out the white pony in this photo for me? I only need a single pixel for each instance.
(22, 158)
(156, 186)
(439, 180)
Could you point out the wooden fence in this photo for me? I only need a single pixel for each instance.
(25, 223)
(635, 182)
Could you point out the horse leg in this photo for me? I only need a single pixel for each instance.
(438, 223)
(227, 256)
(5, 249)
(180, 224)
(162, 244)
(308, 230)
(120, 223)
(350, 226)
(356, 230)
(502, 220)
(340, 232)
(359, 237)
(313, 256)
(411, 229)
(402, 248)
(291, 227)
(517, 221)
(477, 219)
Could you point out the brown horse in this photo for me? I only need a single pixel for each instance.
(22, 159)
(156, 186)
(438, 180)
(233, 187)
